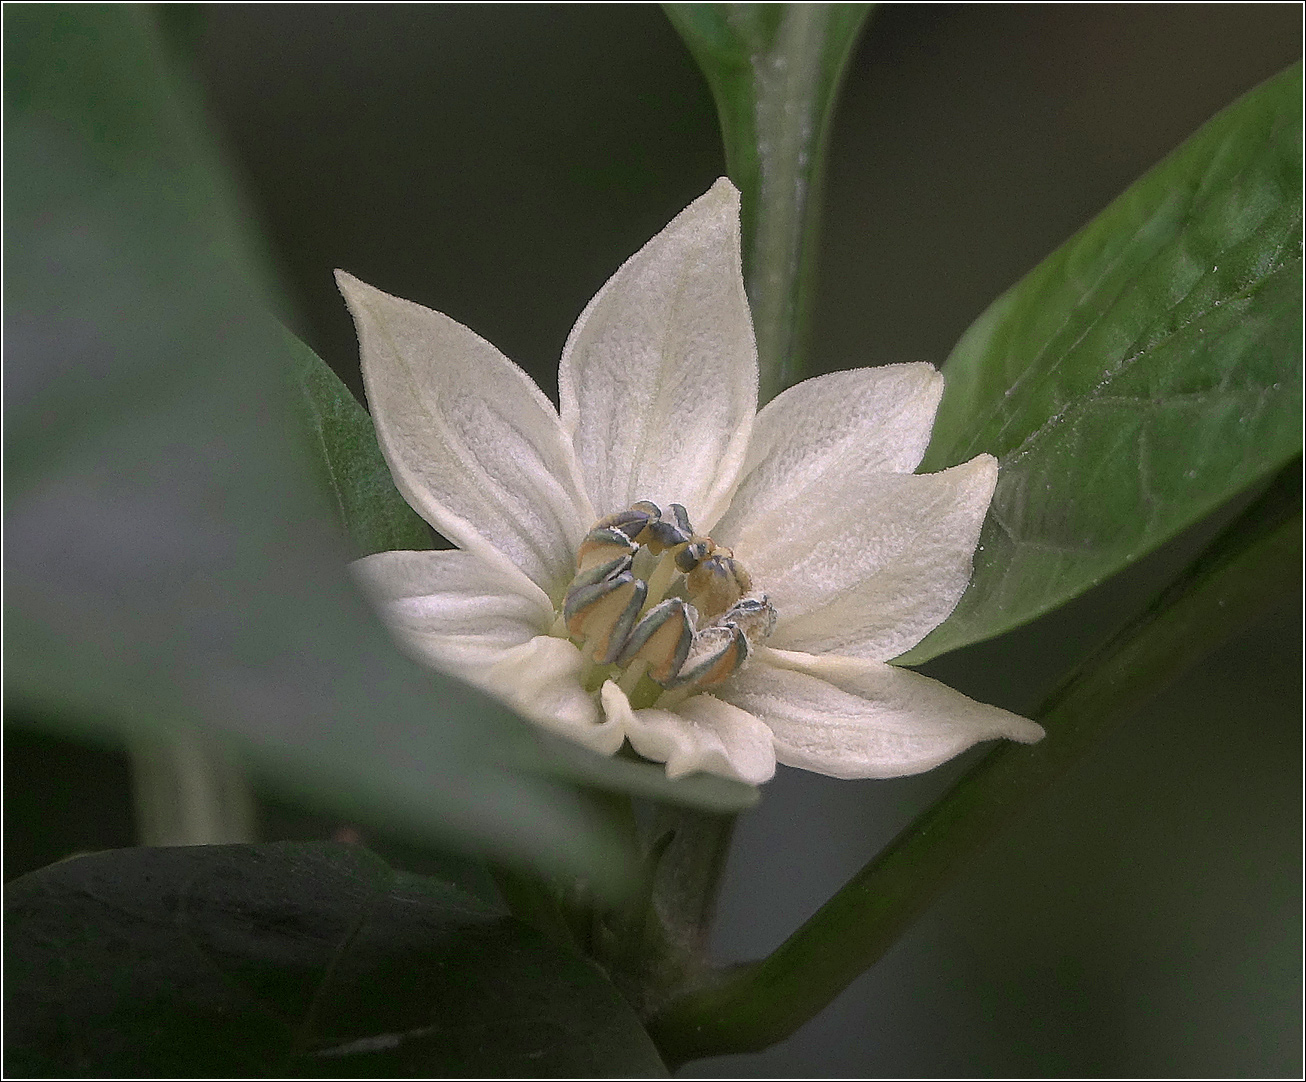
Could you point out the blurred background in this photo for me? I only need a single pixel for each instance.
(499, 162)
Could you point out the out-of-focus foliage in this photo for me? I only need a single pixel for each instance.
(168, 559)
(290, 959)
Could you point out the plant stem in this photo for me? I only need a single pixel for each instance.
(688, 876)
(775, 70)
(188, 790)
(750, 1007)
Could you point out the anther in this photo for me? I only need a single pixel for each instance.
(754, 616)
(664, 535)
(662, 639)
(716, 584)
(604, 613)
(601, 545)
(629, 522)
(597, 572)
(716, 655)
(693, 554)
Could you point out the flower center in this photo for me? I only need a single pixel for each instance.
(660, 609)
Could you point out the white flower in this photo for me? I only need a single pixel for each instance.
(806, 513)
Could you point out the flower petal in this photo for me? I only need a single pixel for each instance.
(851, 718)
(541, 680)
(451, 608)
(867, 566)
(658, 381)
(703, 734)
(851, 425)
(473, 445)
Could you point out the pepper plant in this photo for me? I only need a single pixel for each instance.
(657, 592)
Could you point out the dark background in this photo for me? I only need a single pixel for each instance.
(499, 162)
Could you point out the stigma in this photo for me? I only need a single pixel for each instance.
(662, 610)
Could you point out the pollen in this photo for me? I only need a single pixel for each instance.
(660, 608)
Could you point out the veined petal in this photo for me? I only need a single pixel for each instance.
(541, 680)
(867, 566)
(452, 609)
(658, 381)
(703, 734)
(845, 425)
(473, 445)
(453, 612)
(852, 718)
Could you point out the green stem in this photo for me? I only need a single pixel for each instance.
(775, 70)
(188, 790)
(688, 876)
(750, 1007)
(532, 899)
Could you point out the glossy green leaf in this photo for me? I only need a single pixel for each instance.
(293, 959)
(774, 70)
(1142, 375)
(169, 564)
(368, 505)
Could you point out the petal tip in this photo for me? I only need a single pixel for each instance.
(355, 291)
(346, 282)
(1025, 731)
(722, 188)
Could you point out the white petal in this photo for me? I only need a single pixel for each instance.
(845, 425)
(451, 609)
(473, 445)
(867, 566)
(851, 718)
(703, 734)
(658, 381)
(453, 612)
(541, 680)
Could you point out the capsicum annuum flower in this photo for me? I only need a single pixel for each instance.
(657, 562)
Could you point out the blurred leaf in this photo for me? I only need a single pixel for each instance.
(708, 792)
(292, 959)
(168, 561)
(775, 71)
(369, 506)
(1142, 375)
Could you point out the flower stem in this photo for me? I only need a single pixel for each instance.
(775, 71)
(689, 874)
(1236, 579)
(188, 790)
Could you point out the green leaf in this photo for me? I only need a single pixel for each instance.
(1239, 576)
(1142, 375)
(169, 565)
(292, 959)
(367, 503)
(775, 71)
(707, 792)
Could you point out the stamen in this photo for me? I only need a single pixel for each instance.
(661, 641)
(717, 655)
(660, 649)
(604, 613)
(716, 584)
(660, 580)
(602, 545)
